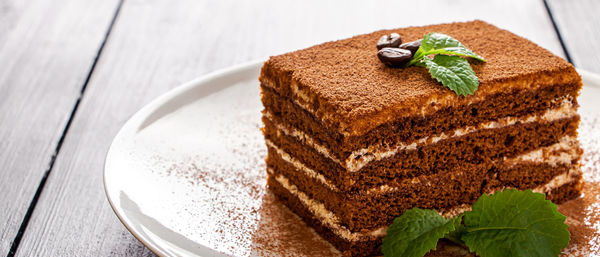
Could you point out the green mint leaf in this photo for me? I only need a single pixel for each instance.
(453, 72)
(415, 233)
(437, 40)
(515, 223)
(456, 234)
(458, 51)
(438, 43)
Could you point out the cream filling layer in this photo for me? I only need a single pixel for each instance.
(560, 180)
(300, 166)
(359, 158)
(331, 221)
(563, 152)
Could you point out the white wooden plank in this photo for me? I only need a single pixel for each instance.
(157, 45)
(46, 50)
(579, 24)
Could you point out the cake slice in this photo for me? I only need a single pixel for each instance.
(352, 143)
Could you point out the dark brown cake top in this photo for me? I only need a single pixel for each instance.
(358, 92)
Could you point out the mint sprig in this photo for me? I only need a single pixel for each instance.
(443, 57)
(507, 223)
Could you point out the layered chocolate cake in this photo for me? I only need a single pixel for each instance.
(353, 143)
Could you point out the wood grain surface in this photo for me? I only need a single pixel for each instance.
(46, 51)
(579, 24)
(154, 46)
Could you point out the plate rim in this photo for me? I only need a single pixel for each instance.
(143, 112)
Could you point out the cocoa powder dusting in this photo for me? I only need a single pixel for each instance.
(583, 213)
(281, 231)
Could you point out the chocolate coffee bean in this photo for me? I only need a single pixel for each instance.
(412, 46)
(394, 57)
(391, 40)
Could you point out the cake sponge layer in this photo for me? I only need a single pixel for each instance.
(371, 245)
(345, 85)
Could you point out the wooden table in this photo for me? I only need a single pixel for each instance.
(72, 72)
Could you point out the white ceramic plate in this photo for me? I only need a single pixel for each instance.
(186, 175)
